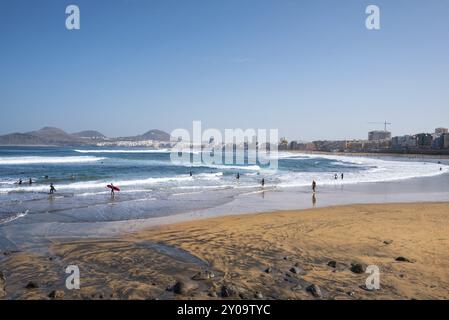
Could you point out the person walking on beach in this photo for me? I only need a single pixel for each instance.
(52, 188)
(314, 186)
(112, 189)
(342, 176)
(263, 182)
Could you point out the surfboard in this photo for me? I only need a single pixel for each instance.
(113, 187)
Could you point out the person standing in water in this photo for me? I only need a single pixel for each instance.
(191, 174)
(314, 186)
(342, 176)
(263, 182)
(20, 182)
(336, 176)
(237, 176)
(52, 188)
(112, 189)
(30, 181)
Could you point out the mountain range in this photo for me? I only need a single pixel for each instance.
(58, 137)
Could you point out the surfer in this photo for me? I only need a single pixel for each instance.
(112, 189)
(191, 174)
(263, 182)
(336, 177)
(237, 176)
(342, 176)
(30, 181)
(20, 182)
(314, 186)
(52, 188)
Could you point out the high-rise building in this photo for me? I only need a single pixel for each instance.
(440, 131)
(379, 135)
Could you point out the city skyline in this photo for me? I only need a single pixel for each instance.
(310, 69)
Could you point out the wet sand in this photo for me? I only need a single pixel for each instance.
(277, 255)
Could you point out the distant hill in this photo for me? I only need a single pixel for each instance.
(56, 136)
(155, 134)
(89, 134)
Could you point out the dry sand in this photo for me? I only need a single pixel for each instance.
(239, 249)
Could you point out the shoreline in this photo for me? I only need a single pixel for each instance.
(374, 154)
(271, 255)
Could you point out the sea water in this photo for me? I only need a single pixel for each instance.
(153, 186)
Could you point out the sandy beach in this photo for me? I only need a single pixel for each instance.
(304, 254)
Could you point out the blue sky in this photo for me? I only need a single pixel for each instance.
(309, 68)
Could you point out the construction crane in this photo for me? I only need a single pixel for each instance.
(384, 123)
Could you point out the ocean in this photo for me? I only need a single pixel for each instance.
(153, 186)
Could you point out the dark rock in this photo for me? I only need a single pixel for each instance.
(229, 290)
(203, 275)
(212, 294)
(268, 270)
(32, 285)
(182, 287)
(358, 268)
(244, 296)
(332, 264)
(297, 270)
(56, 294)
(403, 259)
(351, 293)
(387, 242)
(314, 290)
(258, 295)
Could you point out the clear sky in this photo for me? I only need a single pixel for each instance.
(309, 68)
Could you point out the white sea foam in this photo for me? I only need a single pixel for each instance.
(14, 217)
(46, 160)
(377, 170)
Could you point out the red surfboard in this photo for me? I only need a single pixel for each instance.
(113, 187)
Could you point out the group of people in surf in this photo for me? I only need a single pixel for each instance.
(20, 182)
(342, 176)
(30, 182)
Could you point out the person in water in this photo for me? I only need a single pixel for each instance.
(342, 176)
(112, 189)
(314, 186)
(263, 182)
(336, 177)
(52, 188)
(30, 181)
(191, 174)
(237, 176)
(20, 182)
